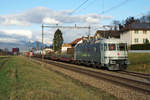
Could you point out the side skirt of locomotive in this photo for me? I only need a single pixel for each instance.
(120, 65)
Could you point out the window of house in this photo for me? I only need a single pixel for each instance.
(136, 40)
(144, 31)
(144, 40)
(136, 31)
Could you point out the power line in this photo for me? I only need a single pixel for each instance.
(90, 3)
(79, 6)
(103, 5)
(114, 7)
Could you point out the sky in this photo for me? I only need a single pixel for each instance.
(21, 20)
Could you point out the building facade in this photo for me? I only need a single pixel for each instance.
(136, 33)
(135, 36)
(107, 34)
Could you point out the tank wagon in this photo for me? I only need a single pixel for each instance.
(109, 53)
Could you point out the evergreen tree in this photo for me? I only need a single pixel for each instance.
(57, 40)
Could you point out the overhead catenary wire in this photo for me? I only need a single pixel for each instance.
(103, 4)
(79, 6)
(90, 3)
(114, 7)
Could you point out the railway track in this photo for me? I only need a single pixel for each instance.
(118, 80)
(136, 74)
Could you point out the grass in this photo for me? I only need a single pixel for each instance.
(5, 81)
(21, 79)
(139, 62)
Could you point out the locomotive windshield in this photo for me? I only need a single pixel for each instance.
(112, 47)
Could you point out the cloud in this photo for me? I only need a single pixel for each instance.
(2, 19)
(14, 38)
(23, 33)
(92, 20)
(41, 15)
(48, 36)
(48, 20)
(15, 22)
(70, 35)
(8, 40)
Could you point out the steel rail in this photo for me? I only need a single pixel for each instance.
(136, 74)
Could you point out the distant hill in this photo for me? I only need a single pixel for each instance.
(34, 44)
(22, 45)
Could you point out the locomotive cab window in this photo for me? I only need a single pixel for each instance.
(122, 46)
(112, 47)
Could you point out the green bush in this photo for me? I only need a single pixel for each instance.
(140, 47)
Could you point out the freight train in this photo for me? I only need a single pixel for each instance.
(107, 53)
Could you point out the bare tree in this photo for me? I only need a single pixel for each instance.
(116, 24)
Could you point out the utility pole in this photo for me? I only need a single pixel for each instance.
(29, 49)
(42, 45)
(57, 26)
(89, 32)
(37, 45)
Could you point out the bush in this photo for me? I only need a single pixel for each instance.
(140, 47)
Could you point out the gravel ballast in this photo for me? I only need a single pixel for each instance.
(116, 90)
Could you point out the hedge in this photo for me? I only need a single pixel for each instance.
(140, 47)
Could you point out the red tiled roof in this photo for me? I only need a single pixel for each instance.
(76, 41)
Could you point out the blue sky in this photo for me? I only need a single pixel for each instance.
(131, 7)
(24, 17)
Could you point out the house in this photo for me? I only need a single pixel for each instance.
(80, 40)
(48, 50)
(107, 34)
(64, 47)
(69, 47)
(135, 33)
(73, 43)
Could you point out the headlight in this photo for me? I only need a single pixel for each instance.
(126, 62)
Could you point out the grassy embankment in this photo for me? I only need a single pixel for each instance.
(21, 79)
(139, 62)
